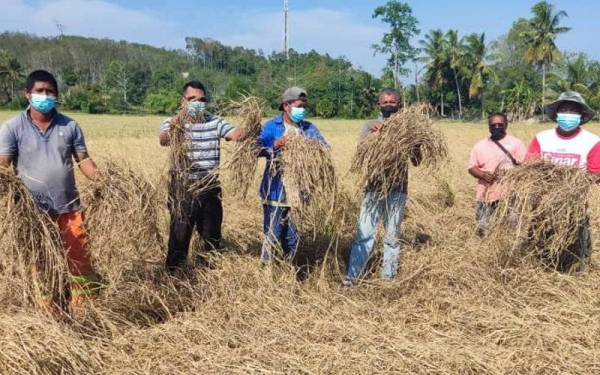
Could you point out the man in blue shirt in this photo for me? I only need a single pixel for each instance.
(277, 224)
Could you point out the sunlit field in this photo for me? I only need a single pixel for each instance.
(452, 309)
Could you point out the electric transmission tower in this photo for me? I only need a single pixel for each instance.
(286, 30)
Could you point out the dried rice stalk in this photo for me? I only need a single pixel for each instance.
(546, 203)
(243, 161)
(32, 260)
(381, 160)
(310, 180)
(121, 212)
(180, 183)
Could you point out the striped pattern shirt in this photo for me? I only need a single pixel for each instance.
(205, 143)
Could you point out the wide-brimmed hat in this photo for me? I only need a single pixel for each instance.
(291, 94)
(587, 113)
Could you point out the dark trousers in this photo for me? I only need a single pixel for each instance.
(204, 212)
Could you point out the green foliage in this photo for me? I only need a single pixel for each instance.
(396, 42)
(162, 102)
(18, 103)
(87, 98)
(325, 108)
(108, 76)
(521, 101)
(237, 87)
(11, 74)
(542, 32)
(459, 75)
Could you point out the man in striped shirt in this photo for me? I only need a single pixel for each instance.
(202, 210)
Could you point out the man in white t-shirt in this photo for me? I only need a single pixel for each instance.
(569, 144)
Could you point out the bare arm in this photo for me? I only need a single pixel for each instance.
(5, 161)
(86, 165)
(482, 175)
(279, 143)
(235, 135)
(164, 138)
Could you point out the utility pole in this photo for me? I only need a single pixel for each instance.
(60, 27)
(285, 30)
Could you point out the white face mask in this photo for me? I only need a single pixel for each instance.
(196, 108)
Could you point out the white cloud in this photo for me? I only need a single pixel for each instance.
(94, 18)
(325, 30)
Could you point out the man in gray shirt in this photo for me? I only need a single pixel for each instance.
(376, 206)
(41, 144)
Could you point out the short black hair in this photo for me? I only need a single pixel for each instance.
(500, 114)
(40, 76)
(389, 91)
(195, 84)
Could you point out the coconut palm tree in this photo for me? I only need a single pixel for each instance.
(456, 58)
(10, 71)
(542, 50)
(481, 71)
(435, 59)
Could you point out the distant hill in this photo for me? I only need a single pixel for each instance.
(103, 75)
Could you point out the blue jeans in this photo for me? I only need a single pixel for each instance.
(279, 229)
(374, 207)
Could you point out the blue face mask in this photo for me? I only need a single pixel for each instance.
(297, 114)
(195, 109)
(568, 121)
(42, 103)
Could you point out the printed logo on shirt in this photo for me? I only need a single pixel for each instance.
(564, 159)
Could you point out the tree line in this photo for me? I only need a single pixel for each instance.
(469, 76)
(461, 76)
(106, 76)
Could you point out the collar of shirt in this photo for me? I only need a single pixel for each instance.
(50, 126)
(302, 125)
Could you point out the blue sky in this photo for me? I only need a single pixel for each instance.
(340, 28)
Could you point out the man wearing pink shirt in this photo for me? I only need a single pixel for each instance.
(490, 156)
(570, 145)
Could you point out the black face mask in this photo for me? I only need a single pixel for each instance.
(388, 110)
(497, 133)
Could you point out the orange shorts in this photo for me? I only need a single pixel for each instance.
(83, 278)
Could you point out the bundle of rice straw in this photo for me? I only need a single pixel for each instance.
(180, 184)
(310, 180)
(546, 204)
(32, 264)
(243, 161)
(381, 159)
(121, 214)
